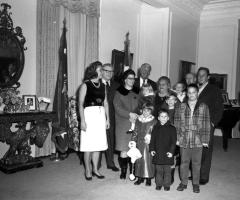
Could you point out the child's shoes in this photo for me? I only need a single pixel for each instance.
(166, 188)
(139, 181)
(148, 182)
(158, 187)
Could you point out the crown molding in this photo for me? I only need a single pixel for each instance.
(219, 9)
(192, 8)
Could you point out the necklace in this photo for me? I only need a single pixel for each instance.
(94, 84)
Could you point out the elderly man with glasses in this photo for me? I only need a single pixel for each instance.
(111, 86)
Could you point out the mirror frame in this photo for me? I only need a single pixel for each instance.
(9, 34)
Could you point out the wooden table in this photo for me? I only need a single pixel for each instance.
(18, 155)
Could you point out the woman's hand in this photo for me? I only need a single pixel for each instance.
(107, 124)
(133, 117)
(83, 125)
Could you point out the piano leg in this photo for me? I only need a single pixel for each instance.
(226, 134)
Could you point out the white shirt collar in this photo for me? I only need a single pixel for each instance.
(141, 81)
(105, 82)
(202, 87)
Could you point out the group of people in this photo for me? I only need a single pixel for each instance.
(168, 126)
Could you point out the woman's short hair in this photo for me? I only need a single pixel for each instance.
(164, 78)
(127, 73)
(90, 71)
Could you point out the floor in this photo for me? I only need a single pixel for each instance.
(65, 181)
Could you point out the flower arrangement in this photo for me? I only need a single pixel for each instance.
(12, 102)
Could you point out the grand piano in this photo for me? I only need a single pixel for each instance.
(231, 116)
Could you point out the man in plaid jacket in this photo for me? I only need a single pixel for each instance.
(192, 122)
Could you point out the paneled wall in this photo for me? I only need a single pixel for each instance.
(218, 41)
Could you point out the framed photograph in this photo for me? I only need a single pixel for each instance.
(220, 80)
(31, 101)
(234, 102)
(225, 99)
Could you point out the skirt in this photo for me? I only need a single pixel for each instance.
(94, 138)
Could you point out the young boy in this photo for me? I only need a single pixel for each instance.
(172, 103)
(162, 147)
(192, 122)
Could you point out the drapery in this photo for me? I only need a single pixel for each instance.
(86, 7)
(82, 39)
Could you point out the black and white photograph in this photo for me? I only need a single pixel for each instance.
(31, 101)
(119, 99)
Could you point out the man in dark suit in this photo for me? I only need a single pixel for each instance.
(144, 73)
(111, 87)
(210, 95)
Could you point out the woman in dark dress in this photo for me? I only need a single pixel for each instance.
(125, 104)
(94, 115)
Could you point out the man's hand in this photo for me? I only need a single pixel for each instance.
(205, 144)
(153, 153)
(169, 155)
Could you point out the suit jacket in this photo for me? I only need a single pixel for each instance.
(212, 96)
(151, 82)
(110, 96)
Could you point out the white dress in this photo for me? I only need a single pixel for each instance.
(94, 138)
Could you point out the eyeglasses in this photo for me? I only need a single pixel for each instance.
(131, 78)
(107, 71)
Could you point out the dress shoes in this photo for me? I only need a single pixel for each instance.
(114, 168)
(98, 176)
(166, 188)
(158, 187)
(181, 187)
(196, 189)
(88, 178)
(203, 182)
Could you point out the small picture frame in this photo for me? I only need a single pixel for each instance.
(31, 101)
(234, 102)
(225, 99)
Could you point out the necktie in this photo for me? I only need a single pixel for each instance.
(108, 86)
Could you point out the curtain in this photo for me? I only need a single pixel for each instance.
(82, 18)
(82, 40)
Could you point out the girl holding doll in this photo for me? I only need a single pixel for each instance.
(144, 169)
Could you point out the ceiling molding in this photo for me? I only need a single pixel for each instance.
(191, 8)
(221, 9)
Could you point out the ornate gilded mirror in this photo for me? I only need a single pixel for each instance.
(11, 49)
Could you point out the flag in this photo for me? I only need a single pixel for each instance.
(127, 62)
(60, 102)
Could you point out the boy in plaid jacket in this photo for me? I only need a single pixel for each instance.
(192, 122)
